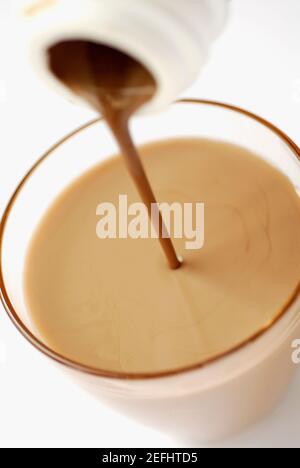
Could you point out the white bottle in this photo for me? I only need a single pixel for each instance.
(172, 38)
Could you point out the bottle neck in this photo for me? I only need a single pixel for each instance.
(170, 38)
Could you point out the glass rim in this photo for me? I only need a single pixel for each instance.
(43, 348)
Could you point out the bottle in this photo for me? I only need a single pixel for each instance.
(172, 38)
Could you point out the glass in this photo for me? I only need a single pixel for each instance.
(202, 402)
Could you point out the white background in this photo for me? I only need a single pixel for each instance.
(256, 64)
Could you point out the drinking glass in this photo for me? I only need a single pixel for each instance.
(203, 402)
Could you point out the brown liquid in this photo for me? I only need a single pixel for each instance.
(117, 86)
(113, 305)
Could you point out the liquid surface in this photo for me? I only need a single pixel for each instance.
(113, 304)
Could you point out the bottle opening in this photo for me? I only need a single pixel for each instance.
(89, 68)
